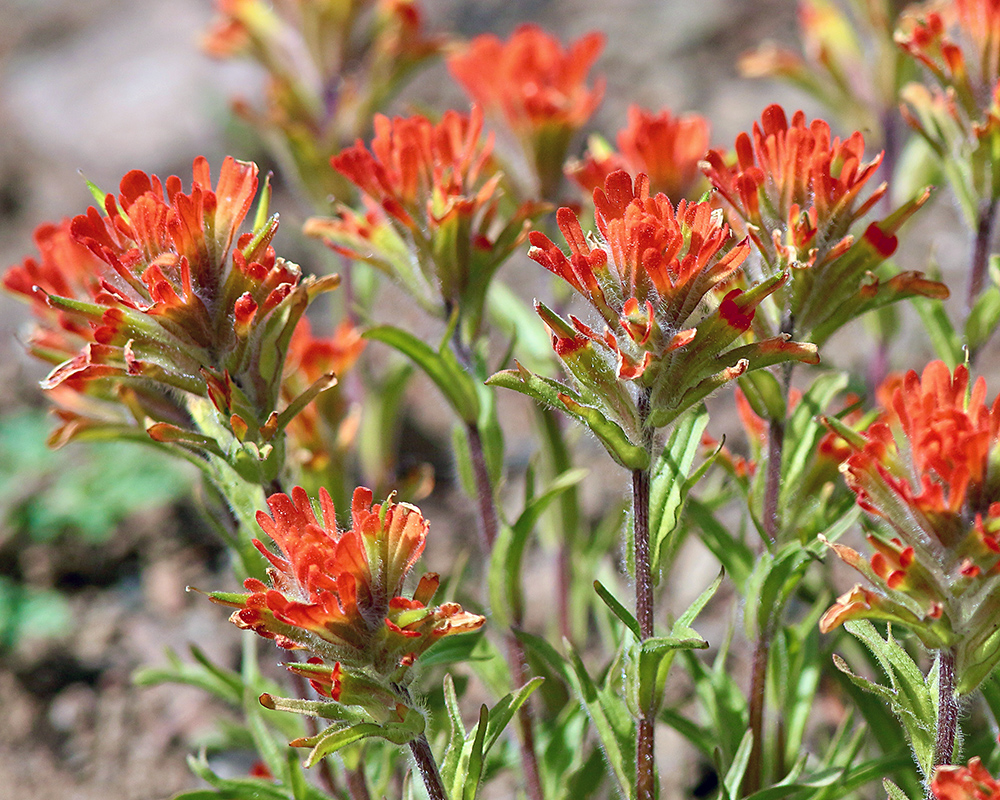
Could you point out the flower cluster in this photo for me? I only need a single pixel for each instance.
(330, 66)
(339, 595)
(959, 116)
(436, 219)
(927, 470)
(799, 193)
(537, 87)
(647, 276)
(159, 289)
(667, 148)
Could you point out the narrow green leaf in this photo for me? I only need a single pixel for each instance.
(734, 776)
(945, 340)
(440, 366)
(618, 609)
(471, 788)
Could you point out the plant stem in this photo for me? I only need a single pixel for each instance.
(947, 719)
(772, 529)
(758, 689)
(488, 529)
(981, 250)
(484, 488)
(645, 744)
(357, 786)
(422, 754)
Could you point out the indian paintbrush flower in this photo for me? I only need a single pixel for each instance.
(667, 148)
(537, 87)
(649, 275)
(435, 216)
(159, 288)
(971, 782)
(340, 596)
(801, 195)
(927, 471)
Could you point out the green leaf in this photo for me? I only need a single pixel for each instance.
(945, 340)
(983, 319)
(894, 792)
(618, 609)
(671, 482)
(733, 554)
(734, 776)
(504, 580)
(440, 366)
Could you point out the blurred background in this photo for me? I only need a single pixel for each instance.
(98, 542)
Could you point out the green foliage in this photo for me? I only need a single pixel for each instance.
(84, 489)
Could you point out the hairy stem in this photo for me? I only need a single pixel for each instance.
(947, 719)
(772, 528)
(645, 745)
(981, 250)
(422, 754)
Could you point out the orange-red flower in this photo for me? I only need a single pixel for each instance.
(650, 270)
(340, 594)
(435, 218)
(160, 286)
(928, 468)
(668, 149)
(537, 87)
(972, 782)
(799, 192)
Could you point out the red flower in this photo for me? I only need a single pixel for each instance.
(161, 288)
(926, 467)
(813, 183)
(531, 79)
(972, 782)
(650, 275)
(340, 594)
(799, 193)
(537, 87)
(433, 217)
(668, 149)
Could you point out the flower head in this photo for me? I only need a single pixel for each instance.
(652, 268)
(435, 217)
(159, 286)
(339, 594)
(537, 87)
(927, 468)
(667, 148)
(799, 192)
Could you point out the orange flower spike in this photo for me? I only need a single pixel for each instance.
(531, 79)
(339, 593)
(538, 89)
(668, 149)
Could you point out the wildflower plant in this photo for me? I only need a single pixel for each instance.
(165, 319)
